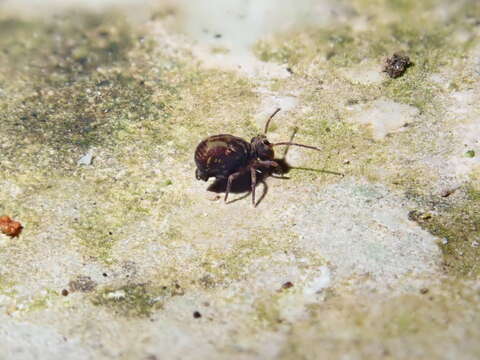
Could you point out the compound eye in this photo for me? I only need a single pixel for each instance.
(266, 142)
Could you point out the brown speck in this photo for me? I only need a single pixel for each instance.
(287, 285)
(65, 292)
(197, 315)
(82, 283)
(329, 55)
(396, 65)
(413, 215)
(448, 192)
(10, 227)
(207, 281)
(418, 216)
(351, 102)
(423, 291)
(178, 290)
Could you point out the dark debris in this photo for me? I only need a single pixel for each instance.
(396, 65)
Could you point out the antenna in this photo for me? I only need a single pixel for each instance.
(269, 119)
(296, 144)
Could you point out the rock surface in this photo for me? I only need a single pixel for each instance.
(368, 250)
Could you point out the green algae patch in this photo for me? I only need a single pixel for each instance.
(111, 214)
(6, 285)
(225, 266)
(95, 232)
(457, 225)
(400, 326)
(135, 300)
(267, 311)
(331, 50)
(96, 81)
(72, 85)
(321, 58)
(37, 302)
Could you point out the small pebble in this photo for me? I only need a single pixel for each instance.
(423, 291)
(65, 292)
(287, 285)
(86, 159)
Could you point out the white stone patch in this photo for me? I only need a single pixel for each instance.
(238, 24)
(235, 26)
(439, 79)
(4, 300)
(359, 23)
(269, 104)
(463, 101)
(469, 134)
(115, 295)
(462, 36)
(9, 190)
(310, 291)
(363, 230)
(269, 273)
(20, 340)
(6, 240)
(86, 159)
(319, 283)
(465, 113)
(245, 63)
(364, 73)
(384, 116)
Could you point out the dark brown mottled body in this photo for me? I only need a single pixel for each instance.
(220, 155)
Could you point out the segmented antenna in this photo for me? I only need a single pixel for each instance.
(269, 119)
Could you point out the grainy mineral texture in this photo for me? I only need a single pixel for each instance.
(125, 255)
